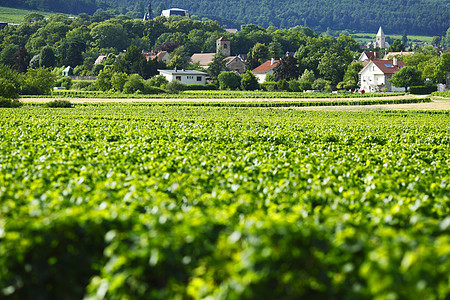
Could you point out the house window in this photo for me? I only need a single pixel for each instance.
(178, 78)
(199, 78)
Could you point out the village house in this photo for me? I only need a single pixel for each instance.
(369, 55)
(163, 56)
(184, 76)
(223, 46)
(265, 69)
(376, 75)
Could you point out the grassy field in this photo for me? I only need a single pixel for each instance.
(369, 37)
(15, 15)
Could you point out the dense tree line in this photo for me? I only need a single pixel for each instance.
(426, 17)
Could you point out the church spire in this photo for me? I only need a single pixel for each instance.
(380, 32)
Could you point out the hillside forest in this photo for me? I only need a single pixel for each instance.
(420, 17)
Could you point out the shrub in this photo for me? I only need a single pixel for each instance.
(174, 87)
(229, 80)
(82, 85)
(38, 81)
(59, 104)
(249, 82)
(283, 85)
(269, 86)
(158, 81)
(134, 83)
(10, 103)
(64, 82)
(294, 85)
(304, 85)
(423, 89)
(201, 87)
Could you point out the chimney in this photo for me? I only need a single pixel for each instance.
(394, 61)
(272, 61)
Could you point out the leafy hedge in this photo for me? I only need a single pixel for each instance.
(10, 103)
(441, 94)
(59, 103)
(423, 89)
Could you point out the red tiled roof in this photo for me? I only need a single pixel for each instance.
(384, 66)
(265, 67)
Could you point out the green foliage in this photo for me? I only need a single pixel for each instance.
(59, 104)
(283, 85)
(216, 66)
(229, 80)
(47, 57)
(118, 81)
(158, 81)
(397, 46)
(174, 87)
(38, 81)
(321, 85)
(287, 68)
(133, 201)
(304, 85)
(6, 55)
(9, 103)
(423, 89)
(406, 77)
(9, 83)
(64, 82)
(249, 82)
(133, 84)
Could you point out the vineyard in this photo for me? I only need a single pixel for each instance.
(150, 201)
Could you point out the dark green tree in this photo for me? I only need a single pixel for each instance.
(249, 82)
(287, 68)
(406, 77)
(216, 66)
(9, 83)
(47, 57)
(21, 60)
(404, 38)
(397, 46)
(7, 55)
(229, 80)
(38, 81)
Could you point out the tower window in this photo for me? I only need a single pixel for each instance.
(225, 46)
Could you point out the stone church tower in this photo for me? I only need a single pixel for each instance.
(380, 40)
(223, 45)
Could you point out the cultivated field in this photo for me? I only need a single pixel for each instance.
(15, 15)
(157, 201)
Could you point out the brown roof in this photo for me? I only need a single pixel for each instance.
(265, 67)
(223, 39)
(203, 58)
(372, 55)
(387, 66)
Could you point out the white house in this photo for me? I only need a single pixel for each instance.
(376, 74)
(175, 12)
(185, 76)
(266, 68)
